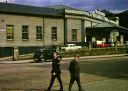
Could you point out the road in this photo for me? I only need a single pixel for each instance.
(97, 74)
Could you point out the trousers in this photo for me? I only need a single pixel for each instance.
(77, 79)
(52, 81)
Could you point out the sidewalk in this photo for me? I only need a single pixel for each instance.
(68, 58)
(103, 85)
(108, 84)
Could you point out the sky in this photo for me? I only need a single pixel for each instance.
(87, 5)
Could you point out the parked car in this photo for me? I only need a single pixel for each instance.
(100, 44)
(43, 55)
(113, 44)
(71, 47)
(126, 43)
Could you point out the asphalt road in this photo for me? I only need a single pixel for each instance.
(97, 74)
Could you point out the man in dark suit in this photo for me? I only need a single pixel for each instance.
(74, 70)
(55, 72)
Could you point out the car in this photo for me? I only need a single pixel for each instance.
(100, 44)
(43, 55)
(71, 47)
(126, 43)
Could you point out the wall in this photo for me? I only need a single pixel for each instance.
(32, 22)
(73, 24)
(48, 24)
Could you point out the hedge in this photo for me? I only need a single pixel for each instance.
(94, 52)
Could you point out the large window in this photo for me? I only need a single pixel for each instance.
(38, 32)
(25, 32)
(54, 33)
(74, 34)
(10, 32)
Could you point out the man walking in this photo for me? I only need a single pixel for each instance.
(74, 70)
(55, 73)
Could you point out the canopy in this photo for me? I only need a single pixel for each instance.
(109, 27)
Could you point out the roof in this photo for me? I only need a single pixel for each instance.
(60, 7)
(64, 7)
(25, 9)
(105, 24)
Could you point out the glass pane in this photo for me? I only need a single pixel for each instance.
(54, 31)
(74, 31)
(25, 36)
(9, 29)
(54, 28)
(74, 37)
(39, 36)
(25, 29)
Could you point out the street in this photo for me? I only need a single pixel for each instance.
(97, 74)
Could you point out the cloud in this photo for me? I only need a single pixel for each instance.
(10, 1)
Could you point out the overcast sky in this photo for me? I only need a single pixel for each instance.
(88, 5)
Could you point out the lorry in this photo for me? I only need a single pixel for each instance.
(71, 47)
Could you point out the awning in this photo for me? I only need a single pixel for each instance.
(109, 27)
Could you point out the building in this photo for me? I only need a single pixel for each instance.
(123, 21)
(25, 27)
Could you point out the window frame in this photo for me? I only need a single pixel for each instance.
(25, 32)
(74, 35)
(54, 34)
(12, 34)
(39, 33)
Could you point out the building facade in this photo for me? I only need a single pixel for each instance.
(33, 27)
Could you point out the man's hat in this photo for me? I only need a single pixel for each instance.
(77, 55)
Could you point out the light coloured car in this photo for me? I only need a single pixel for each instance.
(71, 47)
(126, 43)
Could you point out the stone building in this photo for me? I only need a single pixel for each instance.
(25, 27)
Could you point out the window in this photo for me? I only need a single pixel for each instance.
(39, 33)
(10, 32)
(74, 34)
(54, 33)
(25, 32)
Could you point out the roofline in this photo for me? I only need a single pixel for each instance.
(86, 16)
(35, 15)
(30, 12)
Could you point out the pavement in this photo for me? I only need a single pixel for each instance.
(104, 85)
(101, 85)
(68, 58)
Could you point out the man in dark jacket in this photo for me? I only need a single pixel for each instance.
(74, 70)
(55, 73)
